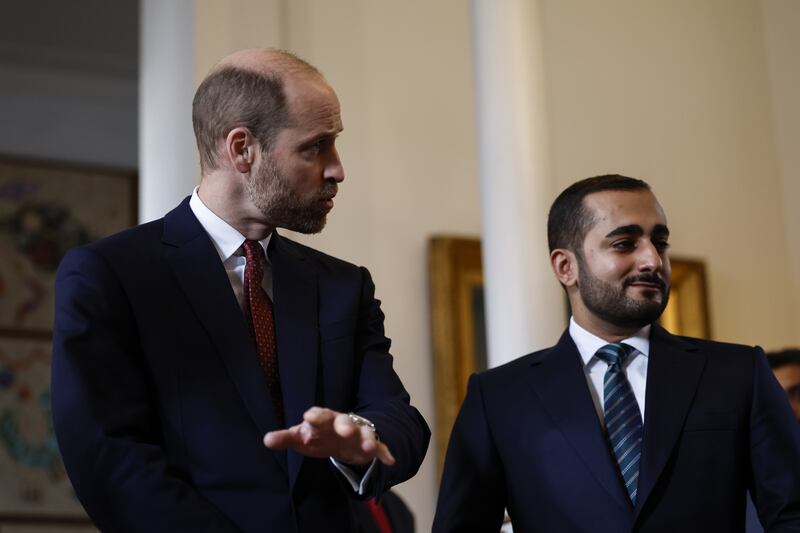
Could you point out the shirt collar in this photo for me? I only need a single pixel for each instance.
(226, 239)
(588, 343)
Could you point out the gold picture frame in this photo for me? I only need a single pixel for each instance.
(458, 326)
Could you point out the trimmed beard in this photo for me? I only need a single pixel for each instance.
(610, 302)
(271, 193)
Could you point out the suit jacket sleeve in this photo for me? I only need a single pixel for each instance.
(382, 399)
(774, 453)
(472, 493)
(104, 410)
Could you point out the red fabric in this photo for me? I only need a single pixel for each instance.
(262, 322)
(379, 516)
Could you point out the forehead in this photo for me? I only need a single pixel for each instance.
(613, 209)
(312, 103)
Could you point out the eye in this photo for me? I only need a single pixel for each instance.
(661, 245)
(313, 148)
(623, 245)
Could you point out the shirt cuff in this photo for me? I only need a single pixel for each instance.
(359, 486)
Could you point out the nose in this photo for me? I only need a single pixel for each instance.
(334, 170)
(649, 259)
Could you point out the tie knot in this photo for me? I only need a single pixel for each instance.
(253, 250)
(615, 353)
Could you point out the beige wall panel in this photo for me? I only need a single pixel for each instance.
(781, 23)
(677, 93)
(224, 26)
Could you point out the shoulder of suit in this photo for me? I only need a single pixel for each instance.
(317, 256)
(708, 346)
(128, 241)
(516, 366)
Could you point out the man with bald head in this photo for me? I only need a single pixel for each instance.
(210, 374)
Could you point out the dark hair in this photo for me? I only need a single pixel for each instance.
(569, 220)
(789, 356)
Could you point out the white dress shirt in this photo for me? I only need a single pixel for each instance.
(635, 367)
(228, 242)
(229, 245)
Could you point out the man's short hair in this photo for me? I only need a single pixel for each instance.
(790, 356)
(569, 220)
(232, 97)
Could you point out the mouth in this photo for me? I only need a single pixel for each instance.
(648, 283)
(327, 202)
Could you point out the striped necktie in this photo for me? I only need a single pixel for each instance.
(622, 415)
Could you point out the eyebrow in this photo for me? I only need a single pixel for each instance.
(635, 229)
(324, 136)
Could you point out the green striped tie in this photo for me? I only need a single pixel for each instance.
(623, 418)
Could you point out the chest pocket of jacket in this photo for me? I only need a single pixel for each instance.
(710, 421)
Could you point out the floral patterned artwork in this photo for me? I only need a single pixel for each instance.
(33, 475)
(45, 211)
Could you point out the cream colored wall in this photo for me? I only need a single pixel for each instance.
(402, 71)
(781, 23)
(677, 93)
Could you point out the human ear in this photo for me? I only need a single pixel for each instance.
(240, 149)
(564, 266)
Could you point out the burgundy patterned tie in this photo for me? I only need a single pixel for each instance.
(262, 322)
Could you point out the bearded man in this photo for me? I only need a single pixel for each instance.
(621, 426)
(212, 375)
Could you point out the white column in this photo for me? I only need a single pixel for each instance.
(524, 304)
(168, 160)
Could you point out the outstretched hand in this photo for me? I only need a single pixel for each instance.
(327, 433)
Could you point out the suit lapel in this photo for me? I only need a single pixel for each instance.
(202, 277)
(560, 384)
(294, 286)
(673, 373)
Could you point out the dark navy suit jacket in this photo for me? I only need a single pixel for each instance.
(716, 422)
(159, 401)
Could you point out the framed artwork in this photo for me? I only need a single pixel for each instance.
(687, 312)
(458, 326)
(45, 209)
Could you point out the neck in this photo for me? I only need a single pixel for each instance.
(227, 198)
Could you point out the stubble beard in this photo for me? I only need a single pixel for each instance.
(270, 192)
(612, 304)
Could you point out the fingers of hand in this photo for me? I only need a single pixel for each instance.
(325, 433)
(282, 439)
(320, 416)
(367, 439)
(383, 454)
(344, 427)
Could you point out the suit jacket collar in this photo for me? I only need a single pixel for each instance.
(202, 277)
(673, 375)
(296, 305)
(558, 381)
